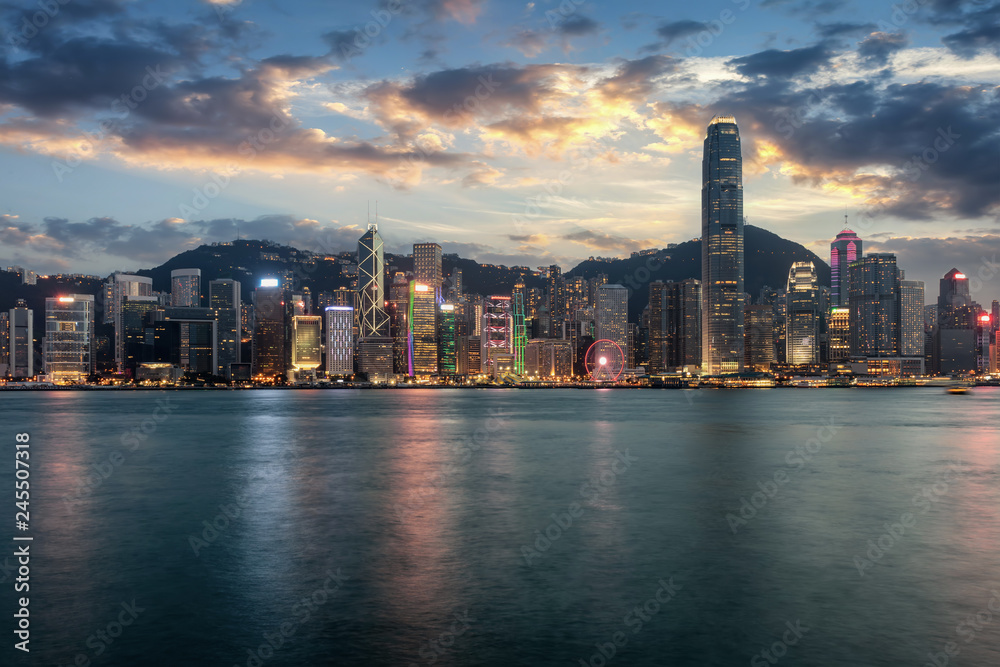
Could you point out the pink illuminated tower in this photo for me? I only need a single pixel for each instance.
(845, 249)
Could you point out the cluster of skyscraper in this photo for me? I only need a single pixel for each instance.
(424, 324)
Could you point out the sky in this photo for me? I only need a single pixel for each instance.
(510, 132)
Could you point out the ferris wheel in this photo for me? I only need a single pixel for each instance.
(605, 361)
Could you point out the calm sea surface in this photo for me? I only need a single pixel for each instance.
(505, 527)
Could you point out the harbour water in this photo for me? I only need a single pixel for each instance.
(502, 527)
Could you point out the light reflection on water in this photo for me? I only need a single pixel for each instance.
(426, 511)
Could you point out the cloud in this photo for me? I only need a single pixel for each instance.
(879, 46)
(778, 64)
(840, 29)
(578, 25)
(928, 259)
(603, 242)
(914, 151)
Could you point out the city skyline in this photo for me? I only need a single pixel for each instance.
(615, 100)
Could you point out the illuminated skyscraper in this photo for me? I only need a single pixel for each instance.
(759, 336)
(674, 325)
(132, 322)
(557, 296)
(423, 329)
(269, 329)
(116, 288)
(802, 315)
(447, 340)
(611, 318)
(68, 347)
(224, 300)
(307, 342)
(427, 264)
(185, 288)
(399, 328)
(722, 248)
(339, 340)
(845, 249)
(21, 346)
(911, 318)
(372, 318)
(520, 331)
(496, 331)
(874, 304)
(839, 334)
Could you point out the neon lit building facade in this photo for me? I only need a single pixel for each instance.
(520, 333)
(496, 331)
(447, 340)
(844, 249)
(339, 340)
(722, 248)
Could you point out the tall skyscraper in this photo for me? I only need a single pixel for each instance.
(185, 288)
(674, 325)
(447, 340)
(874, 304)
(133, 322)
(68, 346)
(372, 318)
(844, 249)
(911, 318)
(611, 319)
(339, 340)
(496, 330)
(225, 300)
(802, 314)
(954, 345)
(759, 336)
(557, 295)
(269, 315)
(21, 345)
(427, 265)
(423, 329)
(839, 334)
(399, 328)
(722, 248)
(116, 288)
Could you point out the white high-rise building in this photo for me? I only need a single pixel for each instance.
(339, 340)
